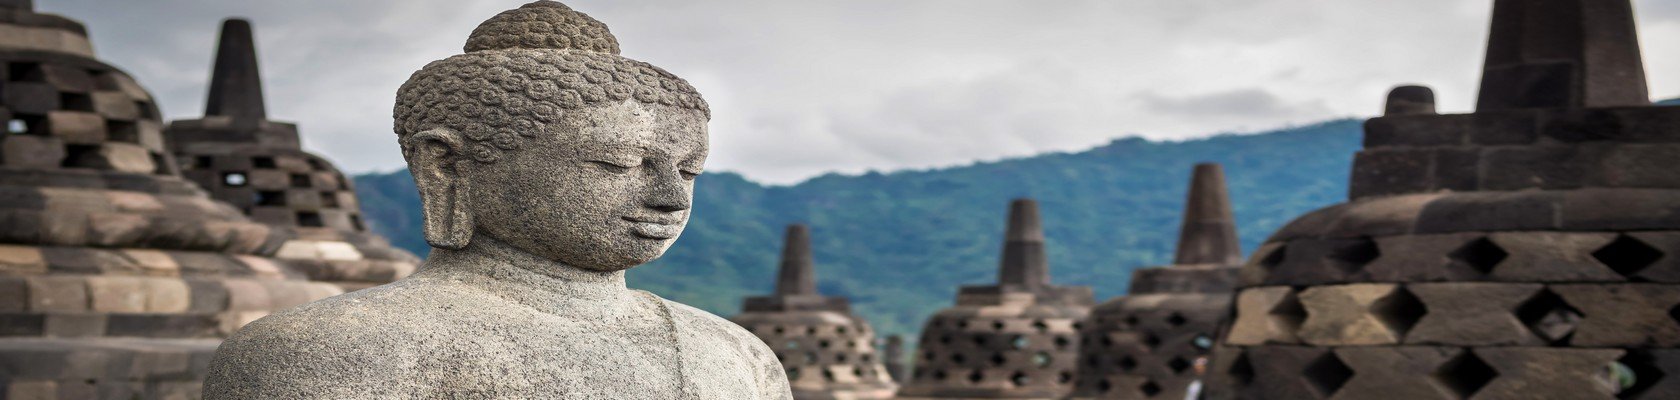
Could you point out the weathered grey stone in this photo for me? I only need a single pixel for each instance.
(1552, 257)
(30, 151)
(1401, 373)
(1472, 314)
(531, 238)
(1558, 373)
(1410, 100)
(1357, 314)
(1623, 315)
(1266, 315)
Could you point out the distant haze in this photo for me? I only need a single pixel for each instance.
(801, 88)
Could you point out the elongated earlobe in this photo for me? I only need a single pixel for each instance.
(437, 165)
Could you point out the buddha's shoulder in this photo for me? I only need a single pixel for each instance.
(401, 311)
(708, 326)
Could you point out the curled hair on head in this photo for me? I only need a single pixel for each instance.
(523, 70)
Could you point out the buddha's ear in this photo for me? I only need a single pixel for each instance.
(438, 164)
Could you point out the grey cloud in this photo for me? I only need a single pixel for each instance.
(805, 87)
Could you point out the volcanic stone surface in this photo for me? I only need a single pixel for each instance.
(1146, 344)
(1526, 250)
(117, 277)
(828, 353)
(1018, 339)
(257, 165)
(547, 166)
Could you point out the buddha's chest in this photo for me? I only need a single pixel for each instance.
(590, 361)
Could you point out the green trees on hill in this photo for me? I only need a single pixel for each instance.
(898, 244)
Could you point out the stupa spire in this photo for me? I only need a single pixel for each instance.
(1209, 232)
(797, 276)
(235, 84)
(1562, 54)
(1023, 261)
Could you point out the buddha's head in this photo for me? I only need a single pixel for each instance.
(543, 138)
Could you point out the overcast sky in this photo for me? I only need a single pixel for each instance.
(800, 88)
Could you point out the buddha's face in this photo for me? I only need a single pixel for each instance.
(606, 188)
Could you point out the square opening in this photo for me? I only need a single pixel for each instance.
(80, 156)
(201, 162)
(122, 131)
(309, 218)
(271, 198)
(24, 72)
(356, 222)
(300, 180)
(75, 101)
(329, 199)
(262, 162)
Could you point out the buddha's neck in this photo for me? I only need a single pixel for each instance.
(523, 277)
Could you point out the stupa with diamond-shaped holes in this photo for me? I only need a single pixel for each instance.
(828, 353)
(1018, 339)
(1525, 250)
(1144, 345)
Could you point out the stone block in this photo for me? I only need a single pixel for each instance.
(1551, 257)
(1390, 171)
(31, 390)
(1358, 314)
(30, 97)
(30, 151)
(270, 179)
(76, 127)
(1406, 373)
(1647, 124)
(14, 294)
(1266, 315)
(165, 295)
(1560, 373)
(1417, 130)
(206, 296)
(1623, 315)
(1472, 314)
(67, 78)
(1643, 256)
(74, 325)
(1320, 261)
(21, 260)
(1379, 216)
(1458, 169)
(1423, 258)
(1290, 372)
(117, 294)
(1504, 127)
(247, 295)
(1619, 209)
(164, 325)
(115, 105)
(1491, 211)
(1641, 166)
(123, 157)
(57, 294)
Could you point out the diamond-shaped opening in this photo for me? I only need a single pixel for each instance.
(939, 374)
(329, 199)
(1465, 374)
(1064, 377)
(1019, 379)
(1062, 342)
(1480, 255)
(1272, 259)
(1178, 365)
(310, 219)
(75, 101)
(1288, 313)
(300, 181)
(1241, 371)
(1150, 388)
(1176, 319)
(263, 162)
(998, 359)
(828, 375)
(1151, 341)
(1041, 326)
(1018, 342)
(793, 373)
(1549, 316)
(1351, 256)
(1104, 386)
(1127, 363)
(1327, 374)
(958, 358)
(1627, 255)
(1635, 373)
(998, 325)
(980, 340)
(1399, 311)
(975, 376)
(1131, 320)
(810, 358)
(1041, 359)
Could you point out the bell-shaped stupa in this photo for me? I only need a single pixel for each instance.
(258, 165)
(1018, 339)
(1145, 345)
(118, 278)
(828, 353)
(1526, 250)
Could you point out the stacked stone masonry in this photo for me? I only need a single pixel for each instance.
(117, 277)
(1019, 339)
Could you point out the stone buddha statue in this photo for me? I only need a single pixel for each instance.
(547, 165)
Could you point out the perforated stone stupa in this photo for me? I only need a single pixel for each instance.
(1018, 339)
(1526, 250)
(828, 353)
(117, 277)
(259, 166)
(1144, 345)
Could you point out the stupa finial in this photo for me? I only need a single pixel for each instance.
(235, 84)
(1209, 232)
(1023, 260)
(1562, 54)
(798, 275)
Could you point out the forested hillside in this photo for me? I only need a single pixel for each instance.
(900, 243)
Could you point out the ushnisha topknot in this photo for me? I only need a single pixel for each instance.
(524, 68)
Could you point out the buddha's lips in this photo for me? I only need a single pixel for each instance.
(655, 228)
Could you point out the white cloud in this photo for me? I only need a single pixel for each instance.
(805, 87)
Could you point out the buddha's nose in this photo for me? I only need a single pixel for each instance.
(669, 192)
